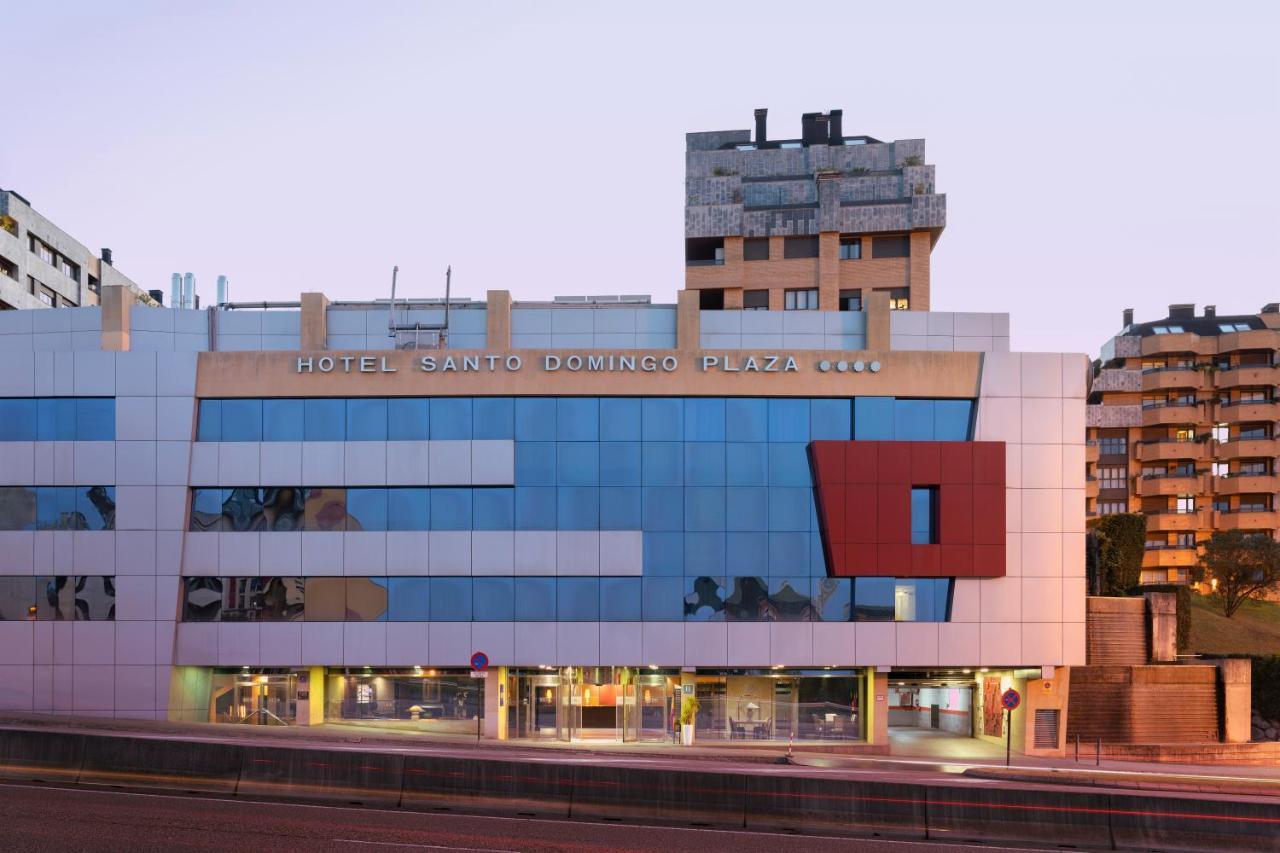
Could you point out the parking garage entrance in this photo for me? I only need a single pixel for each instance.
(934, 703)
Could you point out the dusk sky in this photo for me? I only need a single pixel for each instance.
(1094, 156)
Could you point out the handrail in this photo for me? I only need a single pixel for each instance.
(266, 714)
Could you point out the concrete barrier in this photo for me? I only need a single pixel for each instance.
(35, 756)
(146, 763)
(330, 775)
(487, 786)
(1187, 823)
(659, 796)
(985, 814)
(804, 804)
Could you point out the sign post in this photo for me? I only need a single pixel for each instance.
(1010, 699)
(479, 665)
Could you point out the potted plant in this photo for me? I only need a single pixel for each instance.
(688, 715)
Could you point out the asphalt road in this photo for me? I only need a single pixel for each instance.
(38, 818)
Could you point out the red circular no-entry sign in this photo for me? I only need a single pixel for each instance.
(1011, 699)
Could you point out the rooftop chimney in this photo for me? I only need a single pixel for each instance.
(106, 257)
(762, 116)
(1128, 317)
(1182, 311)
(1211, 310)
(157, 295)
(837, 127)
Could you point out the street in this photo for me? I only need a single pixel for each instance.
(37, 818)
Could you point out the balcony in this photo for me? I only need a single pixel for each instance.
(1170, 521)
(1116, 379)
(1090, 487)
(1173, 414)
(1243, 448)
(1091, 451)
(1159, 451)
(1182, 343)
(1108, 416)
(1169, 557)
(1234, 413)
(1246, 375)
(1246, 484)
(1252, 339)
(1171, 485)
(1164, 378)
(1246, 520)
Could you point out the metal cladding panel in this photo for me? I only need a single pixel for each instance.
(864, 505)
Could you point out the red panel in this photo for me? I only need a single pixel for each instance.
(894, 560)
(988, 561)
(860, 560)
(893, 461)
(861, 462)
(955, 514)
(988, 462)
(926, 561)
(988, 519)
(861, 513)
(957, 462)
(957, 560)
(828, 461)
(894, 523)
(926, 458)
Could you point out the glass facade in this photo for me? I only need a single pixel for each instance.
(58, 419)
(60, 598)
(57, 507)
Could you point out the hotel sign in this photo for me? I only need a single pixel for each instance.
(573, 363)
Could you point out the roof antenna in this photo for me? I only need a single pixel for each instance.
(391, 312)
(448, 280)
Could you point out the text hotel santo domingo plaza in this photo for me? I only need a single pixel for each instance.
(797, 494)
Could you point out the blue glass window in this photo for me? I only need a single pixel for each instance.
(704, 553)
(922, 599)
(535, 508)
(578, 599)
(789, 553)
(663, 508)
(241, 420)
(704, 599)
(282, 420)
(324, 420)
(620, 419)
(578, 508)
(450, 599)
(620, 508)
(924, 515)
(746, 464)
(951, 419)
(494, 418)
(662, 418)
(56, 419)
(451, 509)
(704, 508)
(578, 463)
(18, 420)
(830, 420)
(535, 463)
(788, 420)
(662, 599)
(704, 419)
(535, 599)
(747, 508)
(408, 419)
(408, 599)
(789, 508)
(789, 600)
(873, 418)
(913, 420)
(408, 509)
(873, 599)
(451, 417)
(620, 600)
(663, 463)
(96, 507)
(494, 509)
(747, 553)
(95, 419)
(620, 463)
(577, 419)
(494, 599)
(366, 509)
(789, 464)
(366, 419)
(535, 419)
(663, 554)
(746, 419)
(704, 464)
(833, 599)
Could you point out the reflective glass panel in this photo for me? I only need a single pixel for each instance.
(451, 509)
(282, 420)
(535, 419)
(704, 599)
(577, 599)
(748, 600)
(206, 508)
(95, 598)
(324, 509)
(535, 599)
(324, 420)
(951, 420)
(450, 599)
(704, 419)
(833, 599)
(366, 599)
(95, 419)
(577, 419)
(209, 421)
(620, 600)
(408, 599)
(789, 600)
(924, 515)
(620, 419)
(662, 599)
(451, 418)
(55, 599)
(282, 509)
(366, 419)
(18, 420)
(873, 599)
(494, 599)
(408, 509)
(408, 419)
(494, 418)
(366, 509)
(242, 509)
(326, 600)
(241, 420)
(17, 599)
(201, 599)
(493, 509)
(746, 419)
(873, 418)
(913, 420)
(18, 507)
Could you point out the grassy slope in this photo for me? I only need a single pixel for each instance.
(1255, 629)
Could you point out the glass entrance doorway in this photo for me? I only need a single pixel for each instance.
(593, 703)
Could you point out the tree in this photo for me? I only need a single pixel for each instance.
(1114, 553)
(1241, 566)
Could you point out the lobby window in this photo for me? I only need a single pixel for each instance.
(850, 248)
(755, 249)
(851, 300)
(704, 251)
(800, 247)
(801, 300)
(891, 246)
(1112, 477)
(900, 299)
(924, 515)
(755, 300)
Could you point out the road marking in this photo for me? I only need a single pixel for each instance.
(424, 846)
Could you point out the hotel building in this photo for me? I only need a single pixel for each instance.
(819, 522)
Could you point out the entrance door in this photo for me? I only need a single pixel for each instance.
(537, 706)
(935, 717)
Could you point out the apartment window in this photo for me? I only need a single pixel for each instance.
(755, 300)
(711, 299)
(42, 250)
(9, 268)
(45, 296)
(1112, 477)
(1254, 503)
(1184, 504)
(1221, 505)
(69, 269)
(1221, 469)
(900, 299)
(800, 247)
(1253, 432)
(850, 248)
(1149, 366)
(1156, 544)
(924, 515)
(1185, 540)
(704, 251)
(891, 246)
(1111, 507)
(801, 300)
(8, 223)
(1254, 468)
(1167, 330)
(1152, 471)
(851, 300)
(1233, 327)
(1113, 446)
(1254, 395)
(755, 249)
(1219, 433)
